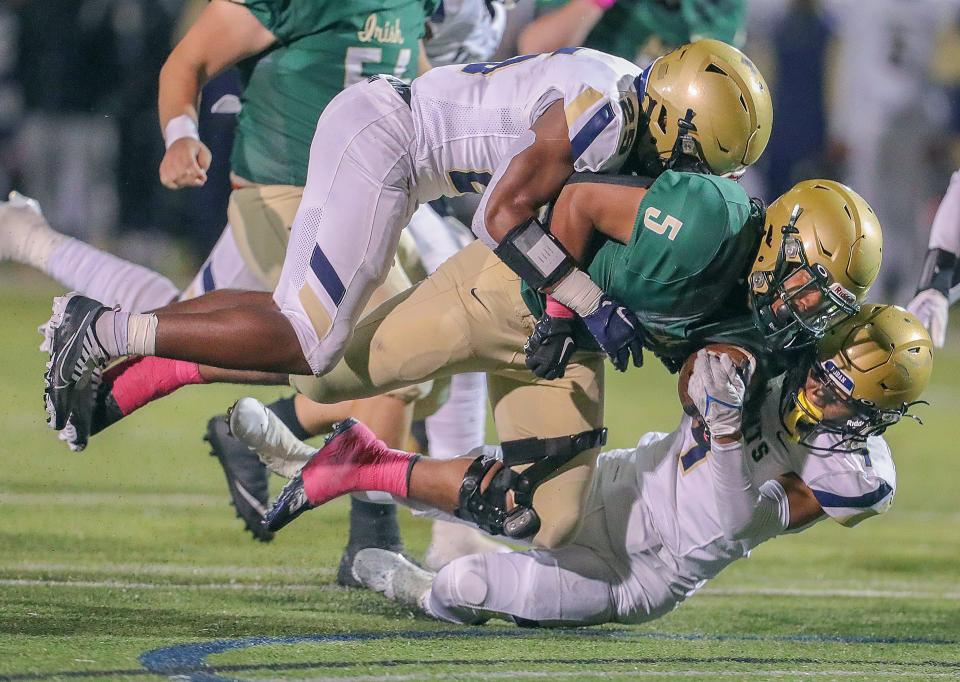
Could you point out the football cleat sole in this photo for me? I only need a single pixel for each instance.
(241, 467)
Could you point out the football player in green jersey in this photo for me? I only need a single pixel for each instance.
(697, 261)
(632, 29)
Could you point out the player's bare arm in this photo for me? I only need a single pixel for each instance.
(804, 508)
(567, 25)
(585, 207)
(532, 178)
(224, 33)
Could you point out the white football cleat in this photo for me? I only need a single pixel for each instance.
(451, 541)
(25, 235)
(393, 576)
(263, 432)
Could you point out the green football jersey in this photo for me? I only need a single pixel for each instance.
(321, 48)
(629, 24)
(683, 273)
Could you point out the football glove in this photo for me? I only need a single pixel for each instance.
(932, 309)
(550, 346)
(618, 332)
(717, 387)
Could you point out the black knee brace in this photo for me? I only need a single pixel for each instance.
(488, 509)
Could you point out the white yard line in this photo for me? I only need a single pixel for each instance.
(261, 576)
(801, 592)
(139, 499)
(170, 569)
(123, 498)
(128, 585)
(584, 672)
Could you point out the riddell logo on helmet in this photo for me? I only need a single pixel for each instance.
(842, 293)
(838, 375)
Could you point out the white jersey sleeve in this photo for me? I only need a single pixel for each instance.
(945, 231)
(852, 487)
(602, 125)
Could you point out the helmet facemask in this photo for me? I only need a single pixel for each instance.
(796, 302)
(805, 422)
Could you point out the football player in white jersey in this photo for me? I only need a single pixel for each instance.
(666, 516)
(939, 275)
(518, 127)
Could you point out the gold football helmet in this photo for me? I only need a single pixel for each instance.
(707, 104)
(876, 363)
(820, 252)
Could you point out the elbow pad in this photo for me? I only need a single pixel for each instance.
(938, 271)
(535, 254)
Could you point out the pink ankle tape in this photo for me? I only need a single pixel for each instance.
(143, 380)
(356, 461)
(388, 473)
(604, 4)
(556, 309)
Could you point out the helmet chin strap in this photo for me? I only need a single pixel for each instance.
(803, 412)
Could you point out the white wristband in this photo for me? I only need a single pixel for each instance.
(578, 292)
(179, 127)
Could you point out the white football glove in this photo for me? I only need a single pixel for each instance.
(931, 308)
(717, 388)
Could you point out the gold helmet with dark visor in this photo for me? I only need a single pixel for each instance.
(874, 365)
(819, 254)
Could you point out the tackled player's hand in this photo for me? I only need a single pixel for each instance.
(618, 332)
(550, 346)
(185, 164)
(717, 387)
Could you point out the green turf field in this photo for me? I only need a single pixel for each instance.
(126, 562)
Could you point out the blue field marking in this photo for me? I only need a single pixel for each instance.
(189, 661)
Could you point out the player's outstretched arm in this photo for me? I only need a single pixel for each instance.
(224, 33)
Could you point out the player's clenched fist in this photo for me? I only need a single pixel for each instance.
(185, 164)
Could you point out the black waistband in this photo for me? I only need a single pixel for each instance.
(402, 88)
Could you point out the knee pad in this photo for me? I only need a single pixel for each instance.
(462, 582)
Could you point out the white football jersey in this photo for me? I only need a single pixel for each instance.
(467, 117)
(464, 31)
(672, 486)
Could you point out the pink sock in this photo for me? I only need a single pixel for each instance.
(141, 380)
(354, 461)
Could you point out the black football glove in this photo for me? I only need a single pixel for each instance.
(550, 346)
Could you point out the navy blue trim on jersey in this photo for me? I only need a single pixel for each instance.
(591, 130)
(860, 502)
(328, 277)
(692, 456)
(208, 284)
(640, 82)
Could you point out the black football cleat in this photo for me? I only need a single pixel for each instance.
(75, 353)
(290, 503)
(247, 477)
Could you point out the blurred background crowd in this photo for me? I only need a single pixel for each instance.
(866, 92)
